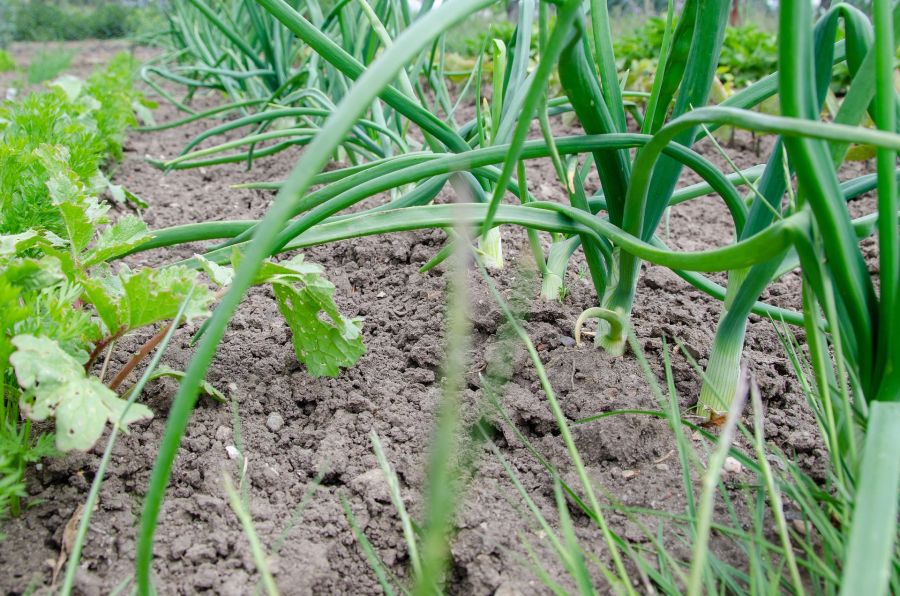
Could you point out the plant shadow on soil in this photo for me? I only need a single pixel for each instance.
(324, 424)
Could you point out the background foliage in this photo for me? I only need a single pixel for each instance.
(42, 20)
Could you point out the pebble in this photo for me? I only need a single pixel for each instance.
(566, 341)
(629, 474)
(732, 466)
(270, 475)
(232, 451)
(274, 422)
(223, 433)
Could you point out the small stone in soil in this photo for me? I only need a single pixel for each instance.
(232, 451)
(732, 466)
(274, 422)
(223, 433)
(566, 341)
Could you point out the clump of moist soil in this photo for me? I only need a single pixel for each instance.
(293, 427)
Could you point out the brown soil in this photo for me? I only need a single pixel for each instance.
(87, 56)
(393, 390)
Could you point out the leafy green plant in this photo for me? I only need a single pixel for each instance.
(6, 25)
(18, 449)
(122, 106)
(111, 21)
(153, 368)
(48, 64)
(471, 36)
(748, 54)
(51, 340)
(86, 119)
(64, 304)
(38, 20)
(7, 63)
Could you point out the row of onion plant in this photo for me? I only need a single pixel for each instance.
(793, 213)
(278, 89)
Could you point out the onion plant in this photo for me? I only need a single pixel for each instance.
(279, 86)
(766, 201)
(793, 214)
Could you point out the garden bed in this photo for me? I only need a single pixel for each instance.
(294, 428)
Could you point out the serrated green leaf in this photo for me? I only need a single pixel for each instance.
(135, 299)
(79, 227)
(153, 295)
(143, 112)
(322, 346)
(120, 194)
(324, 340)
(11, 245)
(63, 183)
(70, 85)
(117, 239)
(80, 211)
(41, 360)
(11, 312)
(270, 272)
(105, 293)
(81, 411)
(56, 385)
(218, 274)
(34, 274)
(65, 188)
(295, 268)
(51, 314)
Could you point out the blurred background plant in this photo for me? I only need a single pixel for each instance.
(6, 24)
(69, 20)
(48, 64)
(6, 61)
(749, 52)
(749, 49)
